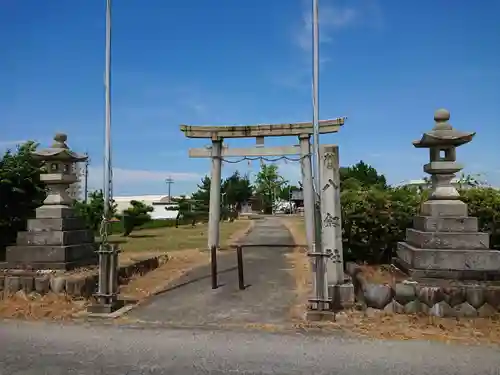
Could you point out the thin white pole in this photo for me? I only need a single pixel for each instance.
(107, 135)
(315, 96)
(321, 286)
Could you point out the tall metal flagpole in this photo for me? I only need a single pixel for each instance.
(107, 301)
(319, 255)
(107, 135)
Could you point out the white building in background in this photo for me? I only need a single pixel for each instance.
(456, 182)
(160, 203)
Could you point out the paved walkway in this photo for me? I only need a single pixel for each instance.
(267, 298)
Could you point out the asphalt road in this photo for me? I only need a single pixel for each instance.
(49, 348)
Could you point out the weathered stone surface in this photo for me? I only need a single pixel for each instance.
(75, 286)
(34, 254)
(377, 296)
(389, 308)
(430, 295)
(455, 296)
(445, 224)
(12, 284)
(413, 307)
(466, 310)
(57, 284)
(444, 208)
(54, 212)
(492, 296)
(342, 294)
(55, 238)
(446, 259)
(486, 311)
(398, 308)
(441, 309)
(27, 283)
(475, 296)
(55, 224)
(447, 240)
(42, 284)
(404, 293)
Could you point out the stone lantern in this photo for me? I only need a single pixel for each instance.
(59, 161)
(444, 241)
(56, 238)
(442, 142)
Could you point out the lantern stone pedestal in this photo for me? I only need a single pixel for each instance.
(444, 242)
(56, 239)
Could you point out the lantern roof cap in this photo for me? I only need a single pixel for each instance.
(59, 150)
(443, 133)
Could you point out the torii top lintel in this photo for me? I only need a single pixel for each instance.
(261, 130)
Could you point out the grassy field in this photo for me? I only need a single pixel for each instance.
(171, 238)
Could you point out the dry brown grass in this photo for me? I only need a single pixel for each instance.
(379, 325)
(153, 282)
(300, 267)
(34, 306)
(382, 274)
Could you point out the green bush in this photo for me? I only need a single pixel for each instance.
(484, 203)
(375, 219)
(21, 191)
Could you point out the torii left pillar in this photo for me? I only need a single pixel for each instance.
(215, 195)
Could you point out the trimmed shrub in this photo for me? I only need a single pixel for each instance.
(375, 219)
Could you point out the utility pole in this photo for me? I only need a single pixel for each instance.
(169, 181)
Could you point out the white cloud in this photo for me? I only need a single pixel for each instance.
(137, 176)
(332, 17)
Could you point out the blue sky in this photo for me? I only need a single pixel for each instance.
(387, 65)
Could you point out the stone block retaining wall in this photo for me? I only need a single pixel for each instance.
(82, 284)
(410, 297)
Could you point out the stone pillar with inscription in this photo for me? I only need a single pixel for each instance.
(340, 289)
(331, 234)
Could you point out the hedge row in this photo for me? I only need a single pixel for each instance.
(375, 219)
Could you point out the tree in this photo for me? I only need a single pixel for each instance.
(364, 173)
(202, 195)
(286, 191)
(268, 184)
(92, 211)
(237, 190)
(135, 216)
(21, 190)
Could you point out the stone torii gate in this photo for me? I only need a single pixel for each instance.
(332, 240)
